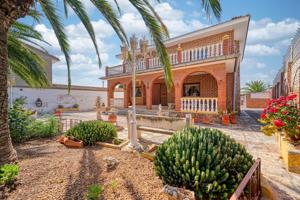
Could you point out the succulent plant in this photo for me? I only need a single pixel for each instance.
(91, 132)
(205, 161)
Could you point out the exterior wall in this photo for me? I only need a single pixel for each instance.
(229, 90)
(51, 98)
(257, 100)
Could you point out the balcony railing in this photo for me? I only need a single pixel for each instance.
(189, 55)
(199, 105)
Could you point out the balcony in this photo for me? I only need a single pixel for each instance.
(207, 53)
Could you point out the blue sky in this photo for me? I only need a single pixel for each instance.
(273, 24)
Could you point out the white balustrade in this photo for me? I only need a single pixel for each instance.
(198, 104)
(188, 55)
(117, 102)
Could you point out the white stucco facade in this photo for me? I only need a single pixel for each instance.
(52, 97)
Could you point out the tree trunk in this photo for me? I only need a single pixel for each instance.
(7, 152)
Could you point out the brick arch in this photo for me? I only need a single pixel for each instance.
(111, 88)
(129, 91)
(208, 84)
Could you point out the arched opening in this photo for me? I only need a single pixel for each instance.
(199, 93)
(160, 94)
(140, 93)
(117, 96)
(200, 84)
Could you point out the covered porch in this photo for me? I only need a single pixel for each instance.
(194, 91)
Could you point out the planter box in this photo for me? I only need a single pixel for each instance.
(289, 153)
(66, 110)
(113, 146)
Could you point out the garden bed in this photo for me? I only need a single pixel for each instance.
(289, 153)
(51, 171)
(115, 143)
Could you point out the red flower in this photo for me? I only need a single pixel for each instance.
(263, 116)
(265, 110)
(285, 112)
(273, 110)
(291, 96)
(279, 123)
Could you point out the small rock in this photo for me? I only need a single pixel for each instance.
(175, 193)
(111, 163)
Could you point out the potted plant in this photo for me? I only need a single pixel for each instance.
(206, 119)
(282, 117)
(224, 117)
(196, 118)
(112, 117)
(232, 117)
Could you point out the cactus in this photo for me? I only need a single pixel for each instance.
(205, 161)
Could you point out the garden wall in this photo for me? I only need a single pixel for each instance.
(85, 97)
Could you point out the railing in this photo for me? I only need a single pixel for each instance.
(66, 123)
(189, 55)
(249, 188)
(198, 104)
(117, 102)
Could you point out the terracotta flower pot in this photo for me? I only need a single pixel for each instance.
(225, 119)
(206, 120)
(233, 119)
(112, 117)
(73, 144)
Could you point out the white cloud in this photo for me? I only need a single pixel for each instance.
(267, 30)
(261, 50)
(251, 63)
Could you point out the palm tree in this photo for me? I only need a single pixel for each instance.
(255, 86)
(22, 60)
(12, 10)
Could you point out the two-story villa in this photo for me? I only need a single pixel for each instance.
(205, 68)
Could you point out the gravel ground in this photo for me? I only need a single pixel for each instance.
(51, 171)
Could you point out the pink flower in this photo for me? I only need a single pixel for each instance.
(279, 123)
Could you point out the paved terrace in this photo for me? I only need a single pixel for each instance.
(285, 184)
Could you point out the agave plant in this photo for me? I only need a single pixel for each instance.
(12, 10)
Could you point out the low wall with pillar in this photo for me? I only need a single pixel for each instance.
(161, 122)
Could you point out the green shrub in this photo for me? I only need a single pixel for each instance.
(8, 173)
(92, 131)
(94, 192)
(19, 119)
(205, 161)
(41, 128)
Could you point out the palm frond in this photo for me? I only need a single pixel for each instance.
(34, 14)
(50, 11)
(212, 6)
(25, 63)
(157, 35)
(79, 9)
(107, 11)
(163, 26)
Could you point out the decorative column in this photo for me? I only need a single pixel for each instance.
(178, 95)
(110, 93)
(126, 96)
(222, 97)
(179, 54)
(148, 95)
(143, 48)
(226, 45)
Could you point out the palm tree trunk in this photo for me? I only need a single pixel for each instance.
(7, 152)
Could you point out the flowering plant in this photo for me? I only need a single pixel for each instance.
(282, 114)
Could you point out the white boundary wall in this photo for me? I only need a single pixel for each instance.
(51, 98)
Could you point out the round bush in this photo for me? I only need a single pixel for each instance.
(91, 132)
(205, 161)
